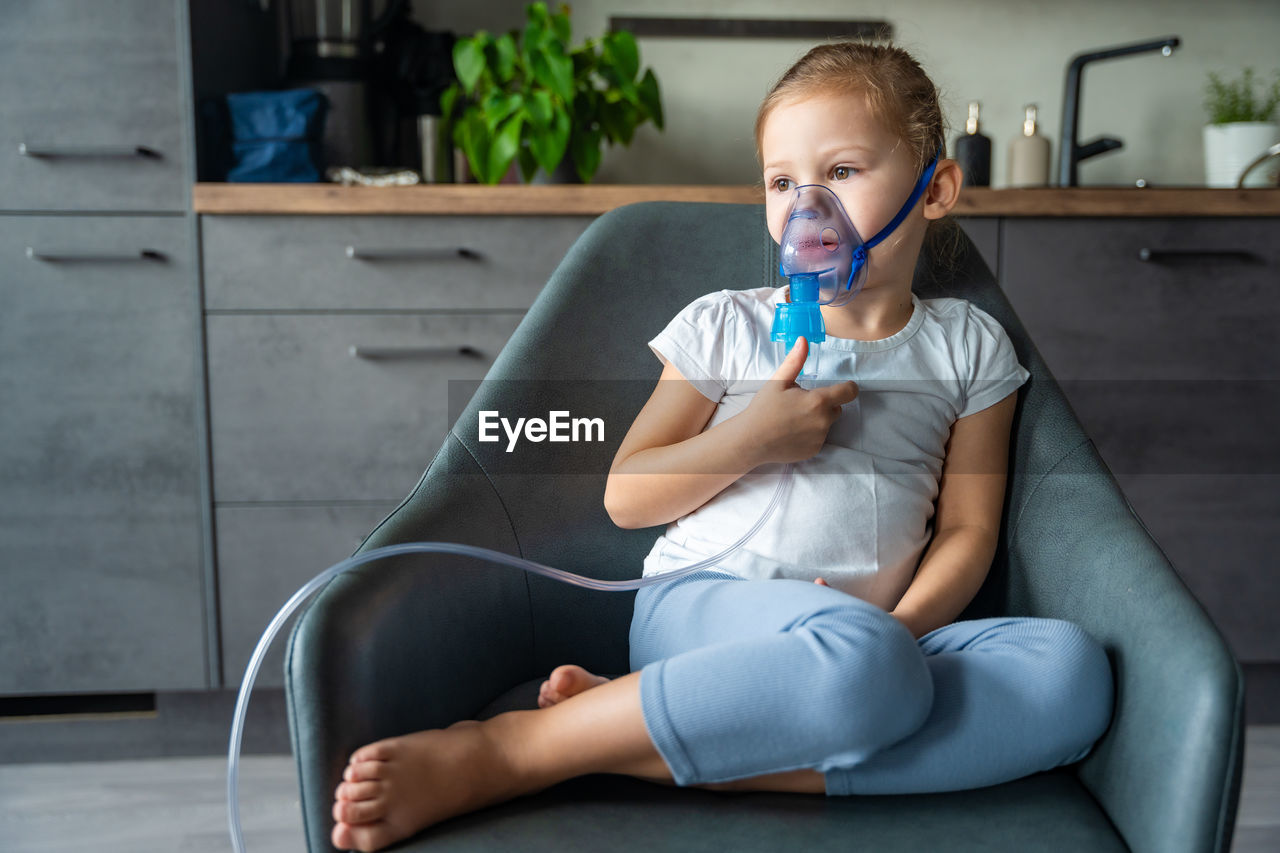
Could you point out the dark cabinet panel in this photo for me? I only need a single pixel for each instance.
(1162, 332)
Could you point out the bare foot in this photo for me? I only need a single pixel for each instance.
(565, 681)
(394, 788)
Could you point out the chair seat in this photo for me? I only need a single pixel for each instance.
(1048, 811)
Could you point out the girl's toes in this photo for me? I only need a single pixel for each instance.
(342, 837)
(357, 812)
(358, 790)
(364, 771)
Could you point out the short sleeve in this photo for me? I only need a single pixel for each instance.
(992, 371)
(698, 343)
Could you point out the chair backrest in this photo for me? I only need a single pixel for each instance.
(1070, 545)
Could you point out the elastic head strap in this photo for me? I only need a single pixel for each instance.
(911, 203)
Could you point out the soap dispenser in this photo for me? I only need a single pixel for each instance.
(973, 151)
(1029, 155)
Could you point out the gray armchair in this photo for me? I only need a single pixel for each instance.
(412, 643)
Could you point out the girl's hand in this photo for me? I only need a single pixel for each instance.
(789, 423)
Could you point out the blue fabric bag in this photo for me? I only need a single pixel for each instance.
(276, 136)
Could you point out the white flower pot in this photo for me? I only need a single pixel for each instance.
(1229, 148)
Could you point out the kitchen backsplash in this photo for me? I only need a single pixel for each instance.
(1004, 53)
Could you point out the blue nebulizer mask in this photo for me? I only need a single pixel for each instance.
(825, 262)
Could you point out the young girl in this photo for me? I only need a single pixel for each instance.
(823, 657)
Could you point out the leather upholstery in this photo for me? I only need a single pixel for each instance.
(412, 643)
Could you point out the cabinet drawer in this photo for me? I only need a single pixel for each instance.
(381, 262)
(84, 85)
(265, 554)
(297, 416)
(1099, 311)
(100, 521)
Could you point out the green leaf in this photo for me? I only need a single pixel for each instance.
(621, 53)
(619, 120)
(549, 146)
(585, 146)
(505, 146)
(651, 97)
(505, 58)
(554, 70)
(448, 98)
(468, 62)
(536, 29)
(537, 14)
(472, 136)
(528, 165)
(498, 107)
(540, 108)
(560, 25)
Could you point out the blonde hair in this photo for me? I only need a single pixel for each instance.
(897, 90)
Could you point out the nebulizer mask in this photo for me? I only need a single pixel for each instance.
(824, 261)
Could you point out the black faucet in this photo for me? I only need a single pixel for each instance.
(1071, 152)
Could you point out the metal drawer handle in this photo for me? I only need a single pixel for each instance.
(89, 151)
(93, 255)
(359, 254)
(410, 353)
(1164, 256)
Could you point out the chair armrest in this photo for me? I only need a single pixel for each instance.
(408, 643)
(1168, 771)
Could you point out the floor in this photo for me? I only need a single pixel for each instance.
(178, 805)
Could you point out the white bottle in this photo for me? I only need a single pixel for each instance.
(1029, 155)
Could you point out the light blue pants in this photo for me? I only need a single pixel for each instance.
(746, 677)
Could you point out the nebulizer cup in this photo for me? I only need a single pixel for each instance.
(824, 261)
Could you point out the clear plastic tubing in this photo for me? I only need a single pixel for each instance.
(299, 597)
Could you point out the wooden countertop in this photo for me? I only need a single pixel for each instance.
(594, 199)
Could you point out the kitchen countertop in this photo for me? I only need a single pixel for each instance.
(594, 199)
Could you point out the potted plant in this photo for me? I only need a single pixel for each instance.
(1241, 126)
(530, 98)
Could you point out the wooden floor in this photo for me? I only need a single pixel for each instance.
(178, 805)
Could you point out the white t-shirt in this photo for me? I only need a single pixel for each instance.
(860, 512)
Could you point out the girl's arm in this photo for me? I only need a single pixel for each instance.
(668, 466)
(967, 521)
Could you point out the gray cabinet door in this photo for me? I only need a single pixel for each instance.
(1162, 332)
(267, 553)
(100, 536)
(94, 92)
(337, 407)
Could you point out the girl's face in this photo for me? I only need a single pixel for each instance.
(836, 142)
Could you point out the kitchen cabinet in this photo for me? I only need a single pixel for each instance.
(93, 107)
(100, 505)
(1161, 332)
(102, 549)
(331, 345)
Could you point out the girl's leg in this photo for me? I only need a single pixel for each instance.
(746, 678)
(1012, 697)
(765, 702)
